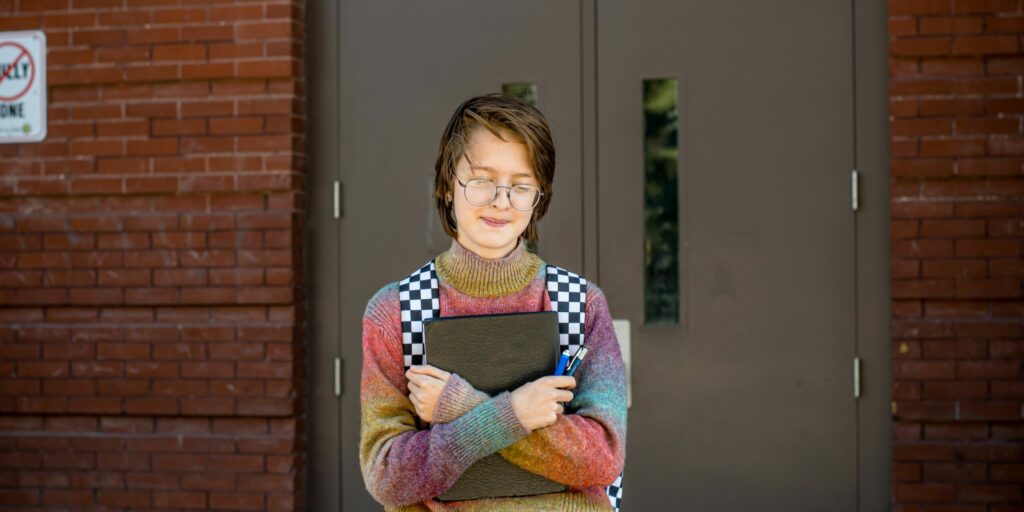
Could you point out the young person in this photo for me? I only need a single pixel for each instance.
(493, 183)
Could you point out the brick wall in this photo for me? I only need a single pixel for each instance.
(956, 69)
(150, 261)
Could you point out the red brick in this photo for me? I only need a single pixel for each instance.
(208, 70)
(265, 406)
(922, 289)
(990, 493)
(214, 406)
(922, 167)
(997, 411)
(179, 277)
(1002, 22)
(955, 472)
(983, 6)
(1006, 227)
(65, 497)
(151, 481)
(179, 500)
(163, 146)
(179, 52)
(207, 32)
(953, 147)
(236, 500)
(989, 369)
(271, 483)
(152, 406)
(985, 45)
(983, 247)
(989, 167)
(218, 482)
(120, 498)
(939, 25)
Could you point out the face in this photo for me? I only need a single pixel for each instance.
(492, 230)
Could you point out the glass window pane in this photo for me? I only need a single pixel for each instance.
(523, 90)
(661, 202)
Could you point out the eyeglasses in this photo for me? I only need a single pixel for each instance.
(482, 191)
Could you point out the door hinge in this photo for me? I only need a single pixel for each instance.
(337, 376)
(337, 199)
(856, 377)
(853, 190)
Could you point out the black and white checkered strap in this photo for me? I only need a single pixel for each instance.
(419, 297)
(568, 294)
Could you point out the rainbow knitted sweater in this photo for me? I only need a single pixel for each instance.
(406, 463)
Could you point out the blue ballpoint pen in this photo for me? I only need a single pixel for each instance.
(560, 369)
(580, 354)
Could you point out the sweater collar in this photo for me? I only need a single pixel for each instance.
(477, 276)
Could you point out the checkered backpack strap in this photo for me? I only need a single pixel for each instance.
(568, 294)
(420, 300)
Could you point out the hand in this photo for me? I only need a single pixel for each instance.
(425, 385)
(537, 403)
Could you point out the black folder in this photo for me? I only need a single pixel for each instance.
(495, 353)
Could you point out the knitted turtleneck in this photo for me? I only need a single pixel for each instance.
(475, 275)
(407, 464)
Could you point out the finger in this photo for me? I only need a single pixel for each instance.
(561, 409)
(560, 381)
(432, 371)
(563, 396)
(427, 380)
(413, 385)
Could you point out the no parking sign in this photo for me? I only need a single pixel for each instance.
(22, 86)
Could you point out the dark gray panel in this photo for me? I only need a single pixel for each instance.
(873, 255)
(405, 66)
(749, 402)
(323, 430)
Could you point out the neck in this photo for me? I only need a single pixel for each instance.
(478, 276)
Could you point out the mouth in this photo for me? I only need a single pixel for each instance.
(497, 223)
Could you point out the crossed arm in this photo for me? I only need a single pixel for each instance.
(583, 448)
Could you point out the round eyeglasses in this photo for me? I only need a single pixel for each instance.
(482, 191)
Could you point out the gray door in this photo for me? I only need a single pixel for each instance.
(747, 402)
(405, 66)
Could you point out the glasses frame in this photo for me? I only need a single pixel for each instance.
(465, 193)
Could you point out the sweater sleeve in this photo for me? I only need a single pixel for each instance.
(582, 449)
(402, 464)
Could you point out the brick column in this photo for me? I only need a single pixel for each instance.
(957, 206)
(151, 303)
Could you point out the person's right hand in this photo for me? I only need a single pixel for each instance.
(536, 403)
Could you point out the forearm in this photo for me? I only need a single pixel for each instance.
(401, 464)
(582, 449)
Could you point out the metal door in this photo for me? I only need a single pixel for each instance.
(747, 402)
(404, 67)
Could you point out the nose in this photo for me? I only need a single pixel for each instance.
(505, 199)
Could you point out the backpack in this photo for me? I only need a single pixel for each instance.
(419, 298)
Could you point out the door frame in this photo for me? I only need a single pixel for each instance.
(322, 238)
(321, 253)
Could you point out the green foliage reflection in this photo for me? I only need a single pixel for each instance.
(661, 202)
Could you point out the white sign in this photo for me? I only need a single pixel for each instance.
(22, 86)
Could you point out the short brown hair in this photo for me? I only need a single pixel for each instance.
(496, 112)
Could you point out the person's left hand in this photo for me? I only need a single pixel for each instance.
(425, 385)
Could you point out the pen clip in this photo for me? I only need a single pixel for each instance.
(576, 360)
